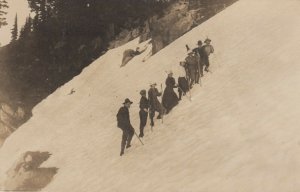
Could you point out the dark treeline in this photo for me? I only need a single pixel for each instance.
(62, 38)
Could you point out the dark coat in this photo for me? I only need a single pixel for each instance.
(153, 100)
(208, 49)
(192, 65)
(144, 104)
(123, 118)
(200, 51)
(183, 84)
(170, 99)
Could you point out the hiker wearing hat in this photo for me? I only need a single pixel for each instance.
(201, 54)
(144, 106)
(124, 124)
(154, 104)
(183, 84)
(170, 99)
(208, 49)
(192, 62)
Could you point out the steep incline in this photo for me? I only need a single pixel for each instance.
(240, 132)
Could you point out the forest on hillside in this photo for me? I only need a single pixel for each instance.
(61, 37)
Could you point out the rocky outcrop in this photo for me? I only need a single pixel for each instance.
(176, 22)
(27, 175)
(181, 17)
(10, 119)
(124, 37)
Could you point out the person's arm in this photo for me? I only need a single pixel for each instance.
(212, 49)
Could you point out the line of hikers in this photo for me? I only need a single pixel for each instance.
(192, 71)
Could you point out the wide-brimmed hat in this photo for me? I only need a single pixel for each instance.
(127, 101)
(207, 40)
(169, 72)
(143, 92)
(153, 84)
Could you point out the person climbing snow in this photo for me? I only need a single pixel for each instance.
(208, 49)
(201, 54)
(144, 106)
(154, 104)
(124, 124)
(170, 98)
(183, 84)
(130, 54)
(192, 62)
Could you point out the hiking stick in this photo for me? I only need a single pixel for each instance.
(138, 138)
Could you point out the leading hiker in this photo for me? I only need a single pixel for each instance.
(208, 49)
(125, 125)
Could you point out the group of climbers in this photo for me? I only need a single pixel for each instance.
(193, 65)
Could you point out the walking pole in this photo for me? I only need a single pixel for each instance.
(138, 138)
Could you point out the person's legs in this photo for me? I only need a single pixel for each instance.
(201, 69)
(151, 115)
(123, 143)
(197, 76)
(129, 138)
(191, 83)
(180, 92)
(206, 63)
(143, 122)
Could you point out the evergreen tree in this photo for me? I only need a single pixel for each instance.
(26, 29)
(14, 31)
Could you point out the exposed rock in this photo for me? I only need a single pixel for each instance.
(10, 119)
(124, 37)
(26, 174)
(180, 18)
(176, 22)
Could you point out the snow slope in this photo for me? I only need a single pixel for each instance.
(240, 132)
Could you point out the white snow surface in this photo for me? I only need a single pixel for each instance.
(240, 133)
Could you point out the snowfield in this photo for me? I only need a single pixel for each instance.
(240, 133)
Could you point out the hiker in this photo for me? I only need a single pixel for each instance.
(183, 84)
(154, 104)
(130, 54)
(144, 106)
(201, 54)
(124, 124)
(191, 61)
(208, 49)
(170, 99)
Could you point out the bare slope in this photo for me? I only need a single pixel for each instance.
(240, 132)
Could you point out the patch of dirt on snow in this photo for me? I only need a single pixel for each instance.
(27, 175)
